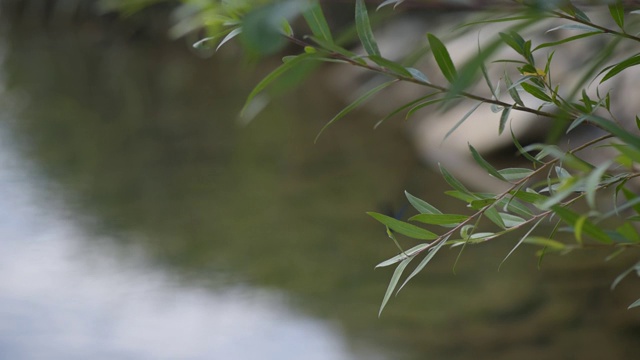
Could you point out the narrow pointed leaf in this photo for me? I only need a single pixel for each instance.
(624, 135)
(229, 36)
(327, 45)
(620, 277)
(422, 206)
(503, 119)
(536, 92)
(423, 105)
(592, 182)
(439, 219)
(443, 59)
(390, 65)
(587, 226)
(566, 40)
(513, 92)
(393, 282)
(389, 2)
(424, 262)
(451, 180)
(515, 174)
(617, 13)
(511, 220)
(493, 215)
(418, 75)
(580, 27)
(396, 259)
(354, 105)
(317, 22)
(363, 27)
(461, 121)
(621, 66)
(485, 164)
(403, 228)
(520, 241)
(404, 107)
(274, 75)
(515, 41)
(553, 244)
(635, 304)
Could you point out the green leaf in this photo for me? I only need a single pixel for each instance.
(503, 118)
(317, 22)
(443, 59)
(617, 13)
(423, 104)
(580, 27)
(513, 92)
(575, 12)
(611, 127)
(629, 232)
(630, 152)
(418, 75)
(262, 27)
(286, 28)
(354, 105)
(390, 65)
(493, 215)
(332, 47)
(274, 75)
(635, 304)
(514, 40)
(439, 219)
(593, 181)
(620, 277)
(577, 228)
(466, 197)
(587, 226)
(510, 220)
(394, 281)
(363, 27)
(553, 244)
(566, 40)
(431, 253)
(422, 206)
(536, 92)
(522, 239)
(515, 174)
(621, 66)
(484, 164)
(564, 189)
(461, 121)
(389, 2)
(404, 255)
(537, 16)
(515, 206)
(408, 105)
(403, 228)
(451, 180)
(229, 36)
(529, 197)
(479, 204)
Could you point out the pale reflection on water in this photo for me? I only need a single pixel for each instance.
(63, 299)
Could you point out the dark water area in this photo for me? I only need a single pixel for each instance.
(142, 220)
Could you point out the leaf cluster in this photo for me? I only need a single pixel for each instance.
(560, 190)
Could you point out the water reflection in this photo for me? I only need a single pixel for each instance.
(146, 223)
(69, 294)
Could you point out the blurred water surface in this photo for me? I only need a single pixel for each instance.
(141, 221)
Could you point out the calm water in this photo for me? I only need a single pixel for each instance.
(141, 221)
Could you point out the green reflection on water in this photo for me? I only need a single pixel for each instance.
(142, 139)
